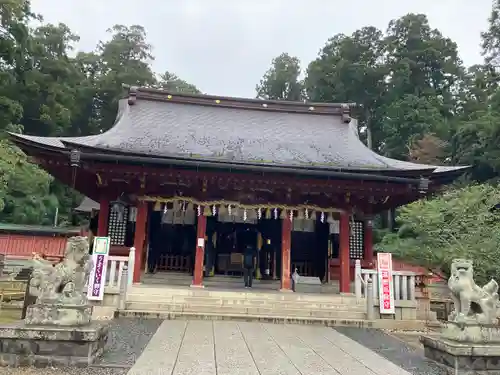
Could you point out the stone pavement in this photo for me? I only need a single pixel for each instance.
(237, 348)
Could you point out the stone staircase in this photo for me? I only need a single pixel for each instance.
(174, 302)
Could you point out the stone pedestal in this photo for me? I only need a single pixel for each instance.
(59, 315)
(42, 346)
(469, 349)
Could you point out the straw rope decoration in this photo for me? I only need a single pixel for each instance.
(209, 208)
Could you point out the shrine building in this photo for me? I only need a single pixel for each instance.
(178, 176)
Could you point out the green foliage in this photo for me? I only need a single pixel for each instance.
(281, 81)
(24, 189)
(45, 90)
(457, 224)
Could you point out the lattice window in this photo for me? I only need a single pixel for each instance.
(356, 243)
(117, 228)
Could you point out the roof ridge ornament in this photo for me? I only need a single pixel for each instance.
(346, 113)
(132, 94)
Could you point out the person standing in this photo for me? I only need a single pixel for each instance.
(247, 241)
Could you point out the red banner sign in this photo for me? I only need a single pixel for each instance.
(385, 283)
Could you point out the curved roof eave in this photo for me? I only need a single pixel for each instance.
(136, 121)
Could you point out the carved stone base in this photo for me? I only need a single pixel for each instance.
(59, 315)
(472, 333)
(463, 358)
(26, 345)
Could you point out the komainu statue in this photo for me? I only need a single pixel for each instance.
(63, 284)
(472, 304)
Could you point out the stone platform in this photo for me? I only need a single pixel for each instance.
(60, 315)
(43, 346)
(463, 357)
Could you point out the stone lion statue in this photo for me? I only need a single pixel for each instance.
(472, 304)
(64, 282)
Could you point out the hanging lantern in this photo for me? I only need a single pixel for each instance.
(222, 210)
(330, 219)
(252, 214)
(198, 209)
(157, 206)
(177, 206)
(275, 213)
(322, 217)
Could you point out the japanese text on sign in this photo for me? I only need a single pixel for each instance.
(386, 293)
(97, 276)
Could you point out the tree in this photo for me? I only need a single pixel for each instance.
(124, 59)
(281, 81)
(24, 189)
(461, 223)
(351, 69)
(491, 38)
(429, 150)
(171, 82)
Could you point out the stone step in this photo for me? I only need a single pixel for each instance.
(407, 325)
(139, 292)
(264, 311)
(214, 301)
(264, 318)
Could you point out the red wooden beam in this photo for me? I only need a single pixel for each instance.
(264, 180)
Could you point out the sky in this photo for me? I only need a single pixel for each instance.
(225, 46)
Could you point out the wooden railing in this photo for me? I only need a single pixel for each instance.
(114, 272)
(303, 268)
(177, 263)
(403, 281)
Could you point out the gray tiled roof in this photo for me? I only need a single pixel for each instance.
(87, 205)
(183, 130)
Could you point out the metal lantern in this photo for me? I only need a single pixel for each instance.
(118, 207)
(74, 158)
(423, 185)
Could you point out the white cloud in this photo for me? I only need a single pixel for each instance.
(225, 46)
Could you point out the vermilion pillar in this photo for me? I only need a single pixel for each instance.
(368, 241)
(102, 222)
(200, 251)
(140, 238)
(286, 239)
(345, 281)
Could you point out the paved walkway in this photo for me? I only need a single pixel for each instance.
(236, 348)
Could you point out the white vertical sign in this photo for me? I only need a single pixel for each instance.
(97, 277)
(385, 283)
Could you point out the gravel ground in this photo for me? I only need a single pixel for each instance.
(393, 349)
(127, 339)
